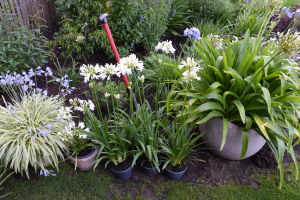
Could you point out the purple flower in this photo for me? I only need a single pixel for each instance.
(49, 126)
(174, 11)
(169, 8)
(25, 88)
(110, 3)
(45, 92)
(192, 32)
(136, 5)
(167, 16)
(141, 20)
(145, 6)
(29, 129)
(255, 3)
(33, 138)
(150, 2)
(218, 29)
(131, 45)
(49, 72)
(31, 73)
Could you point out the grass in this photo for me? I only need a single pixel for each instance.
(102, 185)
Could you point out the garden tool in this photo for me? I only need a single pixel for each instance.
(103, 20)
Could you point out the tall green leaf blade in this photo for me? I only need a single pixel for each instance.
(245, 142)
(225, 130)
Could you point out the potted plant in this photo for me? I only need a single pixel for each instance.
(178, 145)
(148, 138)
(80, 152)
(113, 146)
(251, 85)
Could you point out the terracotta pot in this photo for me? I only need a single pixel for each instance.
(213, 129)
(84, 163)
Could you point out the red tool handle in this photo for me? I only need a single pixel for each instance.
(113, 47)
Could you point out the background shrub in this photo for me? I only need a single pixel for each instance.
(21, 48)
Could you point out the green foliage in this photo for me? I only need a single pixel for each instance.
(112, 144)
(80, 19)
(179, 144)
(22, 142)
(254, 90)
(217, 10)
(3, 179)
(70, 71)
(111, 88)
(148, 136)
(179, 19)
(20, 47)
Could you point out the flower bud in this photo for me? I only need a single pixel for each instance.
(159, 61)
(142, 78)
(106, 95)
(117, 96)
(91, 85)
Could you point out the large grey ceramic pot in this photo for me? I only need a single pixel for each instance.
(213, 129)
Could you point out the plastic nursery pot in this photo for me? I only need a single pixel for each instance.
(150, 170)
(123, 175)
(175, 176)
(84, 163)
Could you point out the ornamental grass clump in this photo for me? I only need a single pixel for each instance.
(32, 125)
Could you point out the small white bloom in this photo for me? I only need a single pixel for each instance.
(81, 125)
(89, 72)
(106, 95)
(117, 96)
(165, 47)
(80, 38)
(159, 61)
(127, 64)
(108, 70)
(87, 129)
(142, 78)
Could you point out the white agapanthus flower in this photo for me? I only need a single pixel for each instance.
(165, 47)
(90, 72)
(191, 75)
(106, 95)
(81, 104)
(130, 63)
(142, 78)
(192, 68)
(81, 125)
(108, 70)
(117, 96)
(64, 114)
(215, 40)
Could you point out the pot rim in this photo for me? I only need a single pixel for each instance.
(177, 172)
(93, 150)
(119, 172)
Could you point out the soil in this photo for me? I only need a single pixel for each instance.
(177, 168)
(122, 166)
(83, 153)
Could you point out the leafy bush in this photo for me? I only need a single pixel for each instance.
(212, 9)
(80, 31)
(20, 47)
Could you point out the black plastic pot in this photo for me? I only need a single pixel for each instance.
(123, 175)
(175, 176)
(150, 171)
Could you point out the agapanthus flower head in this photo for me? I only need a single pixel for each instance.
(191, 68)
(130, 63)
(286, 12)
(288, 43)
(165, 47)
(215, 40)
(48, 72)
(80, 38)
(192, 32)
(108, 70)
(117, 96)
(142, 78)
(90, 72)
(191, 75)
(106, 95)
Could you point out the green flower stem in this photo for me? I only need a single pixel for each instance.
(96, 101)
(112, 99)
(243, 94)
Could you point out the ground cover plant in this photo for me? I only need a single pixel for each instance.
(214, 64)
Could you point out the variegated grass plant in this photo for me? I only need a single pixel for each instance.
(33, 126)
